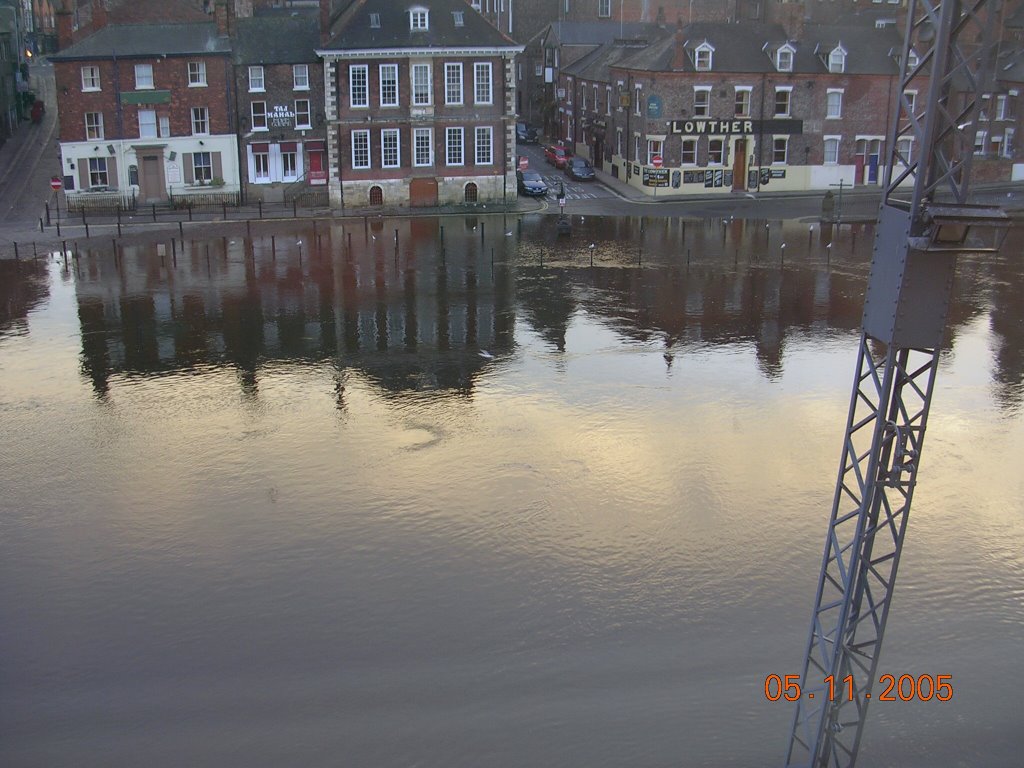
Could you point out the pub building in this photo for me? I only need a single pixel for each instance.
(715, 107)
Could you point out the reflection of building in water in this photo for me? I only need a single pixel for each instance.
(23, 287)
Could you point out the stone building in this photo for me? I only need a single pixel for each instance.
(420, 105)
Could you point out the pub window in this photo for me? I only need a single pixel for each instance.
(143, 76)
(701, 101)
(90, 78)
(834, 103)
(689, 154)
(742, 104)
(779, 150)
(782, 102)
(93, 125)
(98, 172)
(202, 167)
(831, 150)
(716, 152)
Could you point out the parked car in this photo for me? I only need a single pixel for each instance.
(556, 155)
(525, 134)
(580, 169)
(530, 183)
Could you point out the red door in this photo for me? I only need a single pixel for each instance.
(317, 173)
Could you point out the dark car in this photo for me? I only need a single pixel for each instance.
(530, 183)
(525, 134)
(556, 155)
(579, 169)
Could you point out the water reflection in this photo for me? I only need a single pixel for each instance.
(413, 308)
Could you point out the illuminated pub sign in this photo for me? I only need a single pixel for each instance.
(710, 126)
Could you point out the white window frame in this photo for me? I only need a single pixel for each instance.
(144, 77)
(486, 133)
(748, 90)
(784, 58)
(197, 74)
(290, 174)
(688, 147)
(419, 134)
(908, 140)
(261, 175)
(453, 80)
(301, 124)
(388, 75)
(703, 57)
(836, 141)
(721, 150)
(354, 87)
(449, 156)
(94, 132)
(654, 147)
(837, 113)
(390, 148)
(604, 9)
(637, 111)
(911, 97)
(259, 117)
(837, 60)
(91, 78)
(196, 166)
(163, 123)
(419, 19)
(151, 123)
(360, 143)
(705, 107)
(419, 83)
(788, 90)
(257, 79)
(1002, 106)
(775, 150)
(98, 169)
(483, 87)
(1006, 150)
(203, 115)
(300, 77)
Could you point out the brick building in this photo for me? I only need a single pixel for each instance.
(719, 107)
(280, 85)
(420, 105)
(146, 109)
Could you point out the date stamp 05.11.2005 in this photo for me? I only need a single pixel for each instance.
(902, 688)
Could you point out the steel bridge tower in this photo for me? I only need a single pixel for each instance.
(949, 51)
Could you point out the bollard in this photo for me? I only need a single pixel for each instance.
(396, 238)
(314, 229)
(350, 242)
(260, 204)
(153, 205)
(482, 227)
(58, 227)
(40, 223)
(189, 211)
(273, 247)
(15, 250)
(687, 255)
(248, 229)
(87, 229)
(118, 226)
(224, 243)
(174, 247)
(47, 214)
(83, 215)
(294, 210)
(492, 255)
(181, 231)
(224, 210)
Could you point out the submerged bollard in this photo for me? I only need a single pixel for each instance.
(273, 247)
(181, 231)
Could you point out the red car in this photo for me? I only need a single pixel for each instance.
(557, 156)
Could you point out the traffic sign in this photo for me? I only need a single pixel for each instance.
(656, 161)
(56, 183)
(524, 162)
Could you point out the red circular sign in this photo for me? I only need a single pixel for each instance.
(656, 161)
(524, 162)
(56, 183)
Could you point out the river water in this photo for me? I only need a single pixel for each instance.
(386, 496)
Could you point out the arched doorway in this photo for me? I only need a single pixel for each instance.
(471, 192)
(376, 196)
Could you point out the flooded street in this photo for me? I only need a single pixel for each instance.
(458, 493)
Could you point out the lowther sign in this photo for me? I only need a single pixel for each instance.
(712, 127)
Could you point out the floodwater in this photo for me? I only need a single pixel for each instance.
(383, 496)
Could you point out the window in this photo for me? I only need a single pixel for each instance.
(741, 106)
(423, 147)
(453, 146)
(98, 172)
(837, 60)
(200, 121)
(905, 148)
(784, 59)
(165, 126)
(196, 74)
(261, 165)
(618, 142)
(452, 83)
(831, 150)
(147, 124)
(1002, 107)
(374, 21)
(459, 18)
(636, 102)
(596, 107)
(604, 8)
(143, 76)
(689, 155)
(702, 57)
(419, 19)
(834, 103)
(389, 85)
(484, 145)
(608, 101)
(979, 142)
(654, 147)
(358, 90)
(1008, 142)
(202, 167)
(482, 82)
(259, 116)
(302, 116)
(389, 148)
(583, 97)
(782, 102)
(911, 97)
(360, 149)
(421, 85)
(93, 125)
(300, 77)
(913, 60)
(256, 82)
(779, 147)
(289, 167)
(701, 101)
(90, 78)
(716, 151)
(636, 148)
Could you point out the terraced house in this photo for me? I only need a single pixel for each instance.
(420, 104)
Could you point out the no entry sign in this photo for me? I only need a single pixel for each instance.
(55, 183)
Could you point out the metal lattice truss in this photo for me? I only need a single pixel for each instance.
(932, 140)
(884, 437)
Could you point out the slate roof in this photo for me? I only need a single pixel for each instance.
(145, 40)
(354, 30)
(600, 32)
(597, 64)
(156, 12)
(277, 39)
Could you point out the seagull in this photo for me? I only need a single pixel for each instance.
(485, 354)
(592, 246)
(373, 236)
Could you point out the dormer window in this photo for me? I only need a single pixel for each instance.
(460, 19)
(419, 19)
(784, 58)
(374, 21)
(837, 60)
(912, 59)
(702, 57)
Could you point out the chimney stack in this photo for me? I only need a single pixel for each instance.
(679, 52)
(65, 20)
(222, 16)
(99, 14)
(325, 21)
